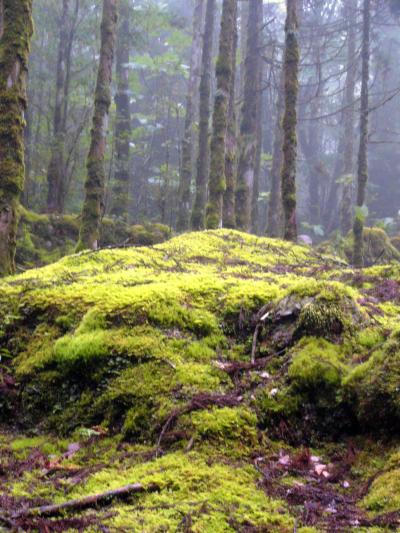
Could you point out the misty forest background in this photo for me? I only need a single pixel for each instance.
(154, 171)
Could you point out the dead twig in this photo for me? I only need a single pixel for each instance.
(87, 502)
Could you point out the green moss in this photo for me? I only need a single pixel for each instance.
(224, 424)
(384, 495)
(374, 387)
(317, 366)
(219, 498)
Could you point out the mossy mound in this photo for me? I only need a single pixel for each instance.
(43, 239)
(198, 351)
(378, 248)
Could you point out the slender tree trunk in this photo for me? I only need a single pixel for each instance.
(198, 213)
(217, 180)
(56, 168)
(228, 209)
(289, 167)
(188, 136)
(274, 227)
(95, 182)
(255, 222)
(348, 123)
(248, 126)
(362, 169)
(15, 34)
(120, 194)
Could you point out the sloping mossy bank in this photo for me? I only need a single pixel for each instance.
(154, 345)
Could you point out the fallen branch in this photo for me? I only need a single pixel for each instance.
(84, 503)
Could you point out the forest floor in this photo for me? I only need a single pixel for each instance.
(217, 382)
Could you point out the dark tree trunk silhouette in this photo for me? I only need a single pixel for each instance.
(188, 137)
(248, 124)
(120, 193)
(198, 213)
(291, 69)
(217, 180)
(15, 34)
(362, 168)
(95, 181)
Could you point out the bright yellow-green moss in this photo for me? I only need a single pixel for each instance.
(384, 495)
(213, 493)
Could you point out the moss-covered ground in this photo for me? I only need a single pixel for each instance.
(246, 383)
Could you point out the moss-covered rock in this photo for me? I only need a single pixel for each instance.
(378, 248)
(145, 354)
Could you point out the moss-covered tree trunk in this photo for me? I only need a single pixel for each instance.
(190, 117)
(248, 123)
(228, 208)
(217, 180)
(274, 225)
(15, 34)
(362, 168)
(255, 215)
(348, 122)
(120, 192)
(56, 167)
(95, 181)
(289, 125)
(198, 213)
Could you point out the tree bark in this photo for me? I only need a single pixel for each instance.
(362, 168)
(348, 123)
(188, 136)
(56, 168)
(217, 179)
(248, 125)
(274, 227)
(228, 209)
(95, 181)
(198, 213)
(15, 33)
(289, 167)
(120, 194)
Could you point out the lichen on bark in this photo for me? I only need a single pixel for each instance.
(15, 33)
(217, 179)
(95, 182)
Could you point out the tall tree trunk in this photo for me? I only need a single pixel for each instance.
(15, 34)
(198, 213)
(274, 227)
(95, 181)
(362, 169)
(255, 222)
(228, 209)
(217, 180)
(289, 166)
(248, 125)
(348, 122)
(120, 194)
(188, 136)
(56, 168)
